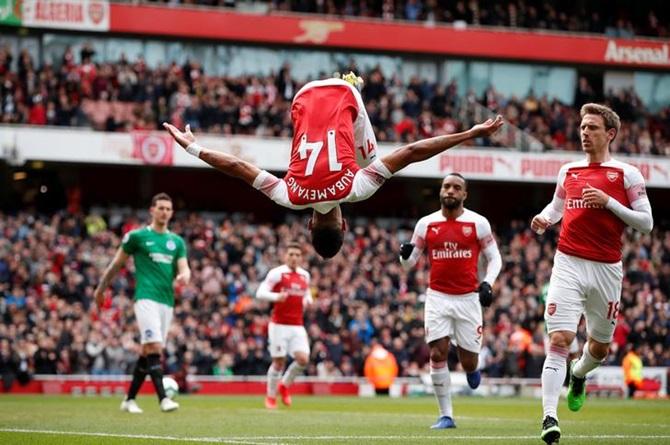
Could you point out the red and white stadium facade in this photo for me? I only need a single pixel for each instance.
(326, 32)
(20, 144)
(142, 148)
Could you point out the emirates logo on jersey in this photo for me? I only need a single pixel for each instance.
(612, 176)
(450, 251)
(467, 230)
(551, 309)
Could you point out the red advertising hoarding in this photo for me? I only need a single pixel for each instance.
(377, 35)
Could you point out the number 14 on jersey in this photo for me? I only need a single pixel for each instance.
(314, 149)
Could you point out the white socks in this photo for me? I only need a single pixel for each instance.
(439, 374)
(273, 380)
(553, 376)
(585, 364)
(293, 371)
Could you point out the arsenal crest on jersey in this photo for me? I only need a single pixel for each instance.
(467, 230)
(551, 309)
(612, 176)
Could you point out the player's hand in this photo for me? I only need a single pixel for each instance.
(182, 279)
(485, 294)
(539, 224)
(594, 197)
(406, 250)
(99, 295)
(487, 128)
(283, 295)
(184, 138)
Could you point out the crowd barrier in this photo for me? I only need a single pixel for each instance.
(605, 381)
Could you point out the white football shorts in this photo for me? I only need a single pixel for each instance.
(285, 339)
(153, 319)
(456, 316)
(580, 286)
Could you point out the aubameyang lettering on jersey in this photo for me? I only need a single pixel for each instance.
(571, 203)
(451, 251)
(161, 257)
(324, 193)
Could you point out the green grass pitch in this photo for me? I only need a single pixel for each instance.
(322, 421)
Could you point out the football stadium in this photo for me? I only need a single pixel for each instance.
(334, 222)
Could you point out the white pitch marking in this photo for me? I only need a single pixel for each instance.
(468, 418)
(443, 436)
(231, 440)
(253, 440)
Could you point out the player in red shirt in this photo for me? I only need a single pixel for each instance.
(288, 287)
(455, 239)
(596, 198)
(333, 157)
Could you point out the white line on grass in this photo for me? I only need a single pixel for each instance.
(231, 440)
(253, 440)
(445, 436)
(468, 418)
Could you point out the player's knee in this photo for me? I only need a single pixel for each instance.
(302, 361)
(437, 355)
(561, 339)
(598, 350)
(327, 241)
(151, 348)
(278, 363)
(469, 364)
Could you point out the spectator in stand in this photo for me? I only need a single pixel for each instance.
(41, 254)
(651, 20)
(128, 96)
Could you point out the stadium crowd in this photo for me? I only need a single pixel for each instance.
(614, 19)
(49, 266)
(128, 95)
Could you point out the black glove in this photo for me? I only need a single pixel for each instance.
(485, 294)
(406, 250)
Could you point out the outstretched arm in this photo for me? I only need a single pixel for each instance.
(427, 148)
(224, 162)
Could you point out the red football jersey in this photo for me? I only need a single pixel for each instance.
(332, 140)
(453, 247)
(594, 233)
(296, 284)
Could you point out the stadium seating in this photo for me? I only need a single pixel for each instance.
(50, 265)
(130, 96)
(612, 19)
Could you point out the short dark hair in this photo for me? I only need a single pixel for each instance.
(294, 245)
(160, 197)
(327, 241)
(465, 181)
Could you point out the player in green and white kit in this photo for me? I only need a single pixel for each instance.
(160, 258)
